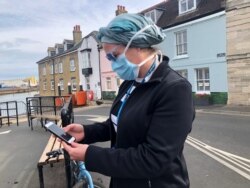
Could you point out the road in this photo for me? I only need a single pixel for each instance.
(217, 152)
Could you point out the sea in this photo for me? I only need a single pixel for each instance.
(19, 97)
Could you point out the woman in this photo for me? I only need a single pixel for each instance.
(150, 117)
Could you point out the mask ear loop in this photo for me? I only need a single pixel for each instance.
(138, 32)
(161, 55)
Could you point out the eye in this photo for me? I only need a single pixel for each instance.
(111, 57)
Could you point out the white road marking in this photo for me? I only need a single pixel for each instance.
(95, 118)
(236, 163)
(5, 132)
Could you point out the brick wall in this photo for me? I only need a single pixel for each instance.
(238, 51)
(66, 75)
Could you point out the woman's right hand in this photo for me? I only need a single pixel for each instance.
(75, 130)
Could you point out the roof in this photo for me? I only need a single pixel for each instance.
(93, 34)
(171, 17)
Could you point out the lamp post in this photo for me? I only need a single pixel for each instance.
(69, 88)
(59, 89)
(80, 85)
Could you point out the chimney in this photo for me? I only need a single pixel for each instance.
(77, 34)
(120, 10)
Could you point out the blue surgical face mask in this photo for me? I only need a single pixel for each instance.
(125, 69)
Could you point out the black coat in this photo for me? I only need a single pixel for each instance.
(147, 150)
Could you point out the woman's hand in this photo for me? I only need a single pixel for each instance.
(76, 151)
(75, 130)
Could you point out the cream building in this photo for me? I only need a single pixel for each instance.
(61, 67)
(238, 51)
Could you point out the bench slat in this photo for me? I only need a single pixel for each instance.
(52, 144)
(46, 116)
(47, 149)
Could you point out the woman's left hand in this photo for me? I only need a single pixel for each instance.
(76, 151)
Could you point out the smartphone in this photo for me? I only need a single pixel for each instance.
(59, 132)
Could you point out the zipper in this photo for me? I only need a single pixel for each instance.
(149, 184)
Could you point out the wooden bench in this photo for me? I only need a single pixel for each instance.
(52, 144)
(42, 117)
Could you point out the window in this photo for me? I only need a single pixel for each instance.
(73, 83)
(108, 83)
(52, 85)
(61, 84)
(186, 5)
(87, 83)
(118, 82)
(152, 15)
(183, 73)
(60, 67)
(72, 65)
(181, 43)
(203, 81)
(56, 67)
(44, 85)
(51, 68)
(44, 70)
(86, 59)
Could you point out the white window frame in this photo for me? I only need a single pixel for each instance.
(108, 83)
(51, 68)
(56, 68)
(72, 65)
(73, 84)
(203, 80)
(61, 83)
(181, 43)
(87, 83)
(44, 85)
(60, 67)
(151, 14)
(44, 69)
(118, 82)
(86, 59)
(52, 85)
(183, 73)
(187, 8)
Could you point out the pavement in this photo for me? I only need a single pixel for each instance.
(224, 109)
(22, 176)
(240, 110)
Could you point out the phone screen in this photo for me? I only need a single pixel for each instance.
(59, 132)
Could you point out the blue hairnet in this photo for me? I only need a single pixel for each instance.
(123, 27)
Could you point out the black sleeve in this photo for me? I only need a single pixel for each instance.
(170, 125)
(97, 132)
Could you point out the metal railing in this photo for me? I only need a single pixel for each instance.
(8, 111)
(40, 107)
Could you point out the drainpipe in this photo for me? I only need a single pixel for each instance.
(99, 47)
(53, 61)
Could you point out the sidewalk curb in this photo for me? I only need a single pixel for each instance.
(224, 112)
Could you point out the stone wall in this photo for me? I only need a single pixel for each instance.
(238, 51)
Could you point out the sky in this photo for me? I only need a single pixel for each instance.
(28, 28)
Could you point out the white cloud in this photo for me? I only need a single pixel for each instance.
(27, 27)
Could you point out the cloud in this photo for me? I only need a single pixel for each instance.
(18, 63)
(17, 43)
(28, 28)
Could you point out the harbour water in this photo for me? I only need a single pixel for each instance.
(20, 98)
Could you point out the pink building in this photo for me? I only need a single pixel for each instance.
(109, 79)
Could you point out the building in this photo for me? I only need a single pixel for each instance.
(195, 43)
(61, 67)
(110, 82)
(238, 51)
(89, 65)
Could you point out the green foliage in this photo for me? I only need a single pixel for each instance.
(219, 97)
(212, 98)
(108, 95)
